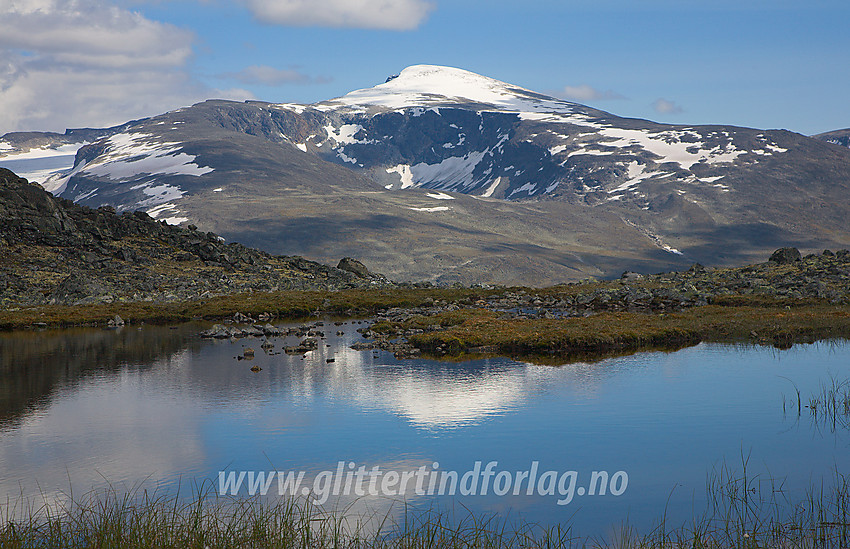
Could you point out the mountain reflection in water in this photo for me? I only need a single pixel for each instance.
(159, 407)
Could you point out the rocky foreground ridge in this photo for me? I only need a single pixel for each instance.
(53, 251)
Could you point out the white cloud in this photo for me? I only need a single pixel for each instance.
(367, 14)
(73, 63)
(91, 32)
(663, 106)
(233, 94)
(270, 76)
(587, 93)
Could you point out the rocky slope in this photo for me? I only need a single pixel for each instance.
(54, 251)
(445, 175)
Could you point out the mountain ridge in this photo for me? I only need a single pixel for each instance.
(486, 171)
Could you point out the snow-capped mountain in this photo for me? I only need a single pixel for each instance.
(440, 170)
(452, 130)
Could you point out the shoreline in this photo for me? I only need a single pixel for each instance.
(463, 324)
(788, 299)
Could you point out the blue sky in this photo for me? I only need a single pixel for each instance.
(766, 64)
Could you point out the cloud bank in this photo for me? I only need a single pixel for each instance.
(663, 106)
(399, 15)
(270, 76)
(587, 93)
(72, 63)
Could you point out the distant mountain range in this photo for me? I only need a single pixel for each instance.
(837, 137)
(441, 174)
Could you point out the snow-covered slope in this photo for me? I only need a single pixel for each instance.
(454, 130)
(434, 86)
(38, 156)
(133, 157)
(38, 163)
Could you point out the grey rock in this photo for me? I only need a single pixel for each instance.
(784, 256)
(353, 266)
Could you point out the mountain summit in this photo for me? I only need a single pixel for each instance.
(433, 86)
(446, 175)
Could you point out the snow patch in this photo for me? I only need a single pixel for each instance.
(591, 152)
(452, 173)
(83, 196)
(430, 86)
(41, 152)
(419, 111)
(636, 173)
(492, 188)
(404, 172)
(530, 188)
(167, 209)
(460, 139)
(345, 158)
(670, 146)
(295, 107)
(344, 134)
(132, 154)
(158, 193)
(440, 196)
(41, 164)
(434, 209)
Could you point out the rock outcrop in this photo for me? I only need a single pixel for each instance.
(54, 251)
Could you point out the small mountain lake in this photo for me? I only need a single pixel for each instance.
(158, 408)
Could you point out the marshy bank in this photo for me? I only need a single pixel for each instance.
(459, 334)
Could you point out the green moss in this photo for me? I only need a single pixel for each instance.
(284, 305)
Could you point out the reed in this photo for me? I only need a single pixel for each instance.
(828, 407)
(743, 511)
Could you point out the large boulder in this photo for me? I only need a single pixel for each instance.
(784, 256)
(353, 266)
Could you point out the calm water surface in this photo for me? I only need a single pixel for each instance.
(158, 407)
